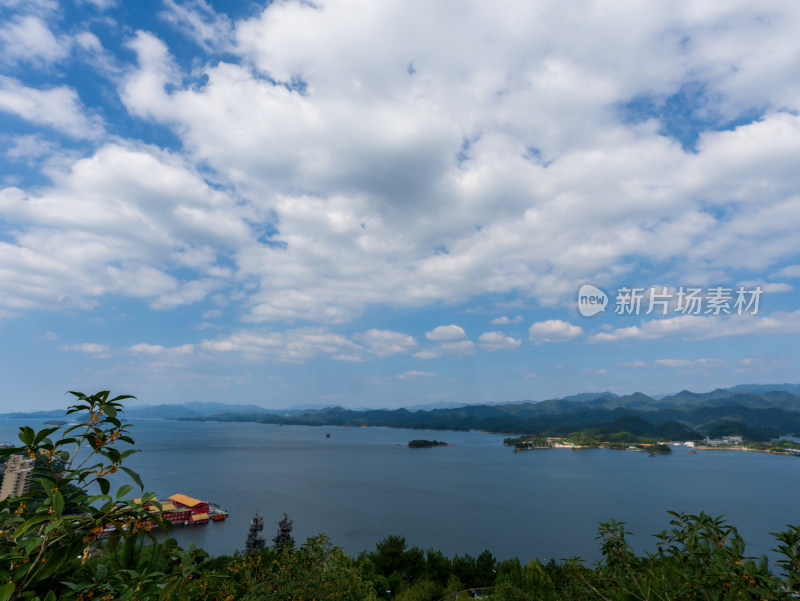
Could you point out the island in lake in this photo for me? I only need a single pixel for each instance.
(424, 444)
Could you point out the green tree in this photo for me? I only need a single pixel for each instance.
(283, 539)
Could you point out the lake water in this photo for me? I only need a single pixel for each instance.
(362, 484)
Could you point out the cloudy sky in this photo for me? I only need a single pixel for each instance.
(396, 203)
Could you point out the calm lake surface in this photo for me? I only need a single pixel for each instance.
(362, 484)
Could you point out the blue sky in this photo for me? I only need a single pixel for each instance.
(394, 203)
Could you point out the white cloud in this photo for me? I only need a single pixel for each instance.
(197, 20)
(678, 363)
(92, 348)
(28, 39)
(790, 271)
(119, 222)
(384, 343)
(449, 333)
(767, 287)
(454, 349)
(58, 108)
(157, 349)
(29, 147)
(683, 363)
(504, 320)
(498, 341)
(553, 330)
(458, 349)
(697, 327)
(296, 345)
(415, 374)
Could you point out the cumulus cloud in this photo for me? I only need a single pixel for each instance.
(197, 20)
(504, 320)
(294, 346)
(790, 271)
(156, 349)
(498, 341)
(120, 222)
(384, 343)
(58, 108)
(701, 327)
(553, 330)
(449, 333)
(91, 348)
(455, 349)
(28, 39)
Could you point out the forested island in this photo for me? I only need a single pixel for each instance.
(57, 543)
(425, 444)
(580, 440)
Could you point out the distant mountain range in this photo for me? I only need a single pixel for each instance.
(165, 411)
(756, 411)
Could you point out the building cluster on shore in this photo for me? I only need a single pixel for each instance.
(725, 441)
(16, 474)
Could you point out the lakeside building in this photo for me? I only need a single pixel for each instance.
(17, 476)
(725, 441)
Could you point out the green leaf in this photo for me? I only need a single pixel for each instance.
(28, 524)
(110, 410)
(51, 596)
(134, 476)
(124, 490)
(58, 503)
(26, 435)
(46, 483)
(42, 434)
(6, 591)
(104, 485)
